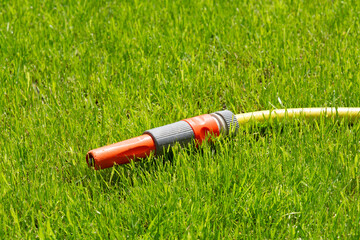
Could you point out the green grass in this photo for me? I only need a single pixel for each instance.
(77, 75)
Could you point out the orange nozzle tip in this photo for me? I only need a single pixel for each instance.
(121, 152)
(90, 160)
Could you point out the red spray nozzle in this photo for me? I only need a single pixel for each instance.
(157, 139)
(121, 152)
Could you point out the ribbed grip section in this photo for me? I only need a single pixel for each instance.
(167, 135)
(231, 122)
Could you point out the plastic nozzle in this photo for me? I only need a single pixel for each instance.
(156, 140)
(121, 152)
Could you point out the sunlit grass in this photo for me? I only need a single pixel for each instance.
(76, 75)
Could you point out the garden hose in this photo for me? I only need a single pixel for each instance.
(157, 140)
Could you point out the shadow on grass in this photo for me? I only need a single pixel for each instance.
(143, 171)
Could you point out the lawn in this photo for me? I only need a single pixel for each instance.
(77, 75)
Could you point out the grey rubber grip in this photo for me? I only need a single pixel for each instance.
(168, 135)
(231, 122)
